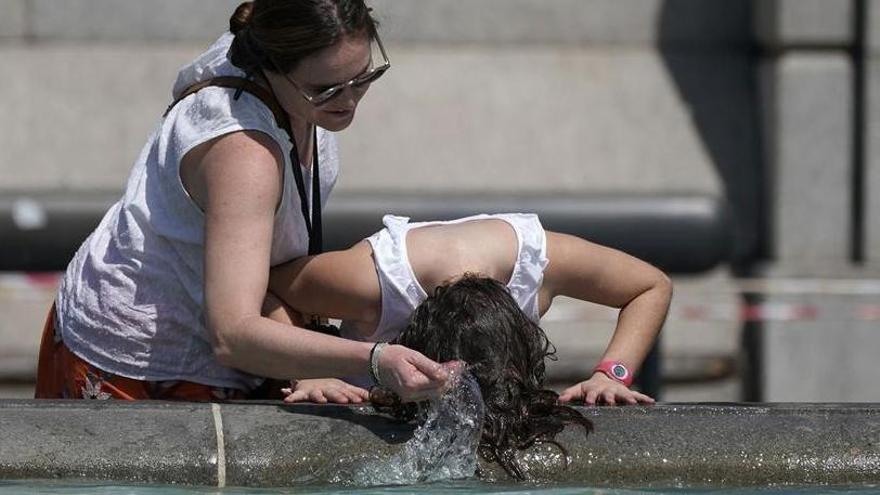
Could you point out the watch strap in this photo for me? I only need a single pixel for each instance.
(615, 370)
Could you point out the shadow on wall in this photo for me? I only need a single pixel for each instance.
(709, 50)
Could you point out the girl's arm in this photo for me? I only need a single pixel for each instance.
(236, 181)
(590, 272)
(335, 284)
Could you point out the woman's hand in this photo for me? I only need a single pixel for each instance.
(324, 390)
(600, 389)
(410, 374)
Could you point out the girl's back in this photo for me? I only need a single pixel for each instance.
(438, 253)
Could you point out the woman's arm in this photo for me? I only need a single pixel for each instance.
(237, 180)
(590, 272)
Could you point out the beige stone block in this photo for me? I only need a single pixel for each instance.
(809, 107)
(12, 19)
(830, 358)
(114, 20)
(539, 119)
(783, 23)
(76, 116)
(629, 22)
(872, 25)
(871, 200)
(695, 22)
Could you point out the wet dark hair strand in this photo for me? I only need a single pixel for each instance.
(475, 319)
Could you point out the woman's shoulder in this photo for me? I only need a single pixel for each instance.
(216, 109)
(214, 114)
(213, 62)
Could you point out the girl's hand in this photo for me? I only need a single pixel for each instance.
(324, 390)
(410, 374)
(600, 389)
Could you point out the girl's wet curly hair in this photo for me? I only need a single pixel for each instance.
(476, 320)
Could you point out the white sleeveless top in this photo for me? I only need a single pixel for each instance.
(402, 293)
(132, 299)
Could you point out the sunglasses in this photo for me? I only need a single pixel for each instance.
(363, 79)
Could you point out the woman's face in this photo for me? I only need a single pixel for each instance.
(336, 64)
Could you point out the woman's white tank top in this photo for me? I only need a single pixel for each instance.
(132, 299)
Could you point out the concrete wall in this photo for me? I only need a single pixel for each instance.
(809, 142)
(871, 201)
(567, 95)
(571, 96)
(807, 90)
(576, 96)
(818, 343)
(786, 23)
(753, 101)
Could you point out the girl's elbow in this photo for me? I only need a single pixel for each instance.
(663, 285)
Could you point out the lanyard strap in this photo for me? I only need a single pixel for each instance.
(313, 221)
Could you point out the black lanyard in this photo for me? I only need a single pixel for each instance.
(313, 221)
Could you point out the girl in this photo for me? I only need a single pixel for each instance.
(376, 285)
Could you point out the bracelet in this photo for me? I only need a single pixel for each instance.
(374, 361)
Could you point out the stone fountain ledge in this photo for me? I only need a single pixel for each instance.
(271, 444)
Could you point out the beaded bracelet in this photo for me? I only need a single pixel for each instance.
(374, 361)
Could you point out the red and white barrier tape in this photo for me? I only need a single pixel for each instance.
(732, 312)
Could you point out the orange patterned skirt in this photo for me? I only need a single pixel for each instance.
(61, 374)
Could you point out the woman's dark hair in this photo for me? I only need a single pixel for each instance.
(276, 35)
(475, 319)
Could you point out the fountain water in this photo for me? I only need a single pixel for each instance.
(443, 448)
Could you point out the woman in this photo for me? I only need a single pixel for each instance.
(377, 285)
(163, 300)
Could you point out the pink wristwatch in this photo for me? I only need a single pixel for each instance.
(616, 371)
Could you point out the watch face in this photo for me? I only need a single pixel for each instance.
(619, 371)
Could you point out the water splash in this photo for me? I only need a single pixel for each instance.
(443, 448)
